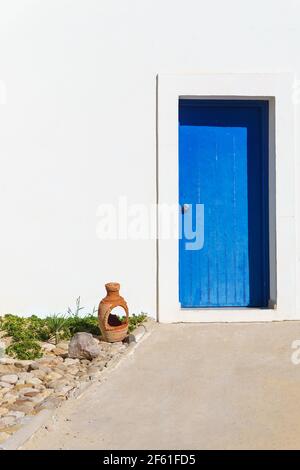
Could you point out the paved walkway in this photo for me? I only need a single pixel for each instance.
(191, 386)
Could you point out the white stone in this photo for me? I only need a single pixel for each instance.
(3, 411)
(3, 391)
(39, 373)
(7, 421)
(53, 376)
(16, 414)
(27, 390)
(9, 398)
(48, 346)
(25, 375)
(73, 370)
(70, 361)
(40, 397)
(3, 436)
(63, 345)
(33, 381)
(10, 378)
(5, 385)
(23, 363)
(63, 390)
(7, 360)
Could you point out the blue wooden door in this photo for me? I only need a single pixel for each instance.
(223, 176)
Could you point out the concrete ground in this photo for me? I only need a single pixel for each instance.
(191, 386)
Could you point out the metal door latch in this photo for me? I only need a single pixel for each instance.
(184, 208)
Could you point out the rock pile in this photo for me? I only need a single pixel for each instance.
(28, 386)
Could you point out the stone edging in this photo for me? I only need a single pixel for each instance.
(20, 437)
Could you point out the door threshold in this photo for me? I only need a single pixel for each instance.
(227, 315)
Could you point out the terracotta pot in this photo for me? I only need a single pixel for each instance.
(111, 327)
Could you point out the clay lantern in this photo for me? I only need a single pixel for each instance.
(112, 329)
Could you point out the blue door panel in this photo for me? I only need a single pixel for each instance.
(223, 165)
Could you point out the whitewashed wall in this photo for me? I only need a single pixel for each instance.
(77, 128)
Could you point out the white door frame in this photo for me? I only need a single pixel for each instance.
(277, 88)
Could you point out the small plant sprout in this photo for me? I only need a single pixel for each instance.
(77, 309)
(56, 324)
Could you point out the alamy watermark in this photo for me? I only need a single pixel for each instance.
(124, 221)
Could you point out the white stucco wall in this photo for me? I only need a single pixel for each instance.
(78, 128)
